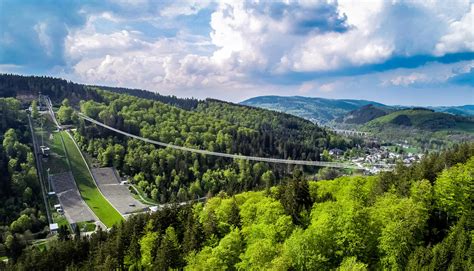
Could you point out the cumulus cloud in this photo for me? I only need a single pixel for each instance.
(460, 36)
(188, 7)
(187, 46)
(44, 38)
(405, 80)
(432, 74)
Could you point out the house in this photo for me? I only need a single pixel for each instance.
(54, 227)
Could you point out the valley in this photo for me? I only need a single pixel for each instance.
(431, 128)
(332, 135)
(190, 182)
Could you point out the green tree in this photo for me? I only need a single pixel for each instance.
(169, 253)
(65, 114)
(34, 109)
(148, 245)
(454, 189)
(351, 264)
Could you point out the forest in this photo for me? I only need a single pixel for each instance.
(169, 175)
(22, 217)
(256, 215)
(415, 218)
(57, 89)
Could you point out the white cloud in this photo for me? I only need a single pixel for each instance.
(270, 38)
(460, 36)
(335, 50)
(307, 87)
(432, 74)
(405, 80)
(184, 7)
(43, 37)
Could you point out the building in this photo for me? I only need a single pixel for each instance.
(54, 227)
(44, 151)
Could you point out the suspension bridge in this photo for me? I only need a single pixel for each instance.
(227, 155)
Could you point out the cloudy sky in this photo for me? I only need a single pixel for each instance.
(395, 52)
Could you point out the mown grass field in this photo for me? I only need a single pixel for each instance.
(87, 187)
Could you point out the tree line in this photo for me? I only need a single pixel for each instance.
(415, 218)
(22, 216)
(57, 89)
(171, 175)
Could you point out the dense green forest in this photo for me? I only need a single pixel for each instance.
(416, 218)
(169, 175)
(59, 89)
(21, 209)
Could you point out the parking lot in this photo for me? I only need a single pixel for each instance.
(117, 194)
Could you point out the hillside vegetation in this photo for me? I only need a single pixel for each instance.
(328, 111)
(415, 218)
(167, 174)
(364, 114)
(423, 119)
(318, 110)
(22, 216)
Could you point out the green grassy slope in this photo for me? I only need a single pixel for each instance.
(87, 187)
(422, 119)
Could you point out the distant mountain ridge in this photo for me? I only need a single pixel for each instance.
(420, 118)
(320, 110)
(323, 111)
(364, 114)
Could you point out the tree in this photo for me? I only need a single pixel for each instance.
(22, 224)
(454, 189)
(148, 245)
(169, 253)
(268, 178)
(63, 233)
(351, 264)
(65, 102)
(65, 114)
(14, 246)
(234, 214)
(295, 198)
(34, 109)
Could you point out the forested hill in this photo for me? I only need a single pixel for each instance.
(415, 218)
(28, 87)
(167, 174)
(22, 212)
(318, 110)
(324, 111)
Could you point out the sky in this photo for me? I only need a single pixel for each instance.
(394, 52)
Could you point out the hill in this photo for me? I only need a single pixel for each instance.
(364, 114)
(27, 88)
(323, 111)
(421, 118)
(318, 110)
(169, 175)
(463, 110)
(415, 218)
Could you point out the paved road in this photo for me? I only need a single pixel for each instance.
(227, 155)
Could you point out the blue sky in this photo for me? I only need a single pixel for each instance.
(395, 52)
